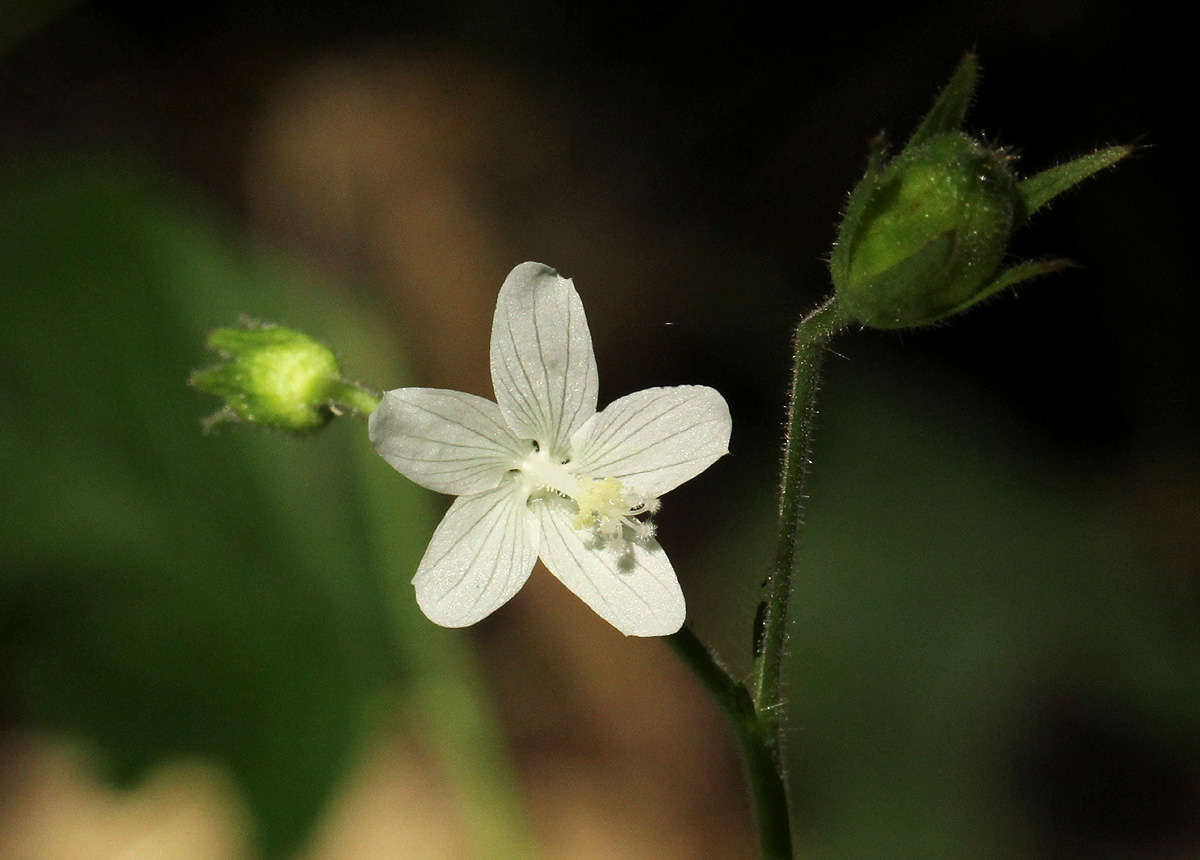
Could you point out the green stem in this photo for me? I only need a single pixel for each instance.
(758, 745)
(755, 711)
(813, 333)
(348, 395)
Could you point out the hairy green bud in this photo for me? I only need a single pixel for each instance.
(924, 234)
(277, 377)
(932, 231)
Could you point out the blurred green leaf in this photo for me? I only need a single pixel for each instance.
(168, 593)
(956, 581)
(959, 585)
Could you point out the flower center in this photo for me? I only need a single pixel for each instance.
(604, 506)
(539, 472)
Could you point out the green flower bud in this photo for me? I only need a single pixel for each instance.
(924, 234)
(277, 377)
(929, 235)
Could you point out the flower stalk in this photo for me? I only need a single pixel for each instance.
(754, 710)
(757, 744)
(812, 335)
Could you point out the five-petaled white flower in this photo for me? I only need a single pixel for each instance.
(542, 473)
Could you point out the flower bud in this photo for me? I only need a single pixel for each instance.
(923, 235)
(929, 232)
(277, 377)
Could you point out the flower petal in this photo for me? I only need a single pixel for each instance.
(479, 557)
(656, 439)
(632, 587)
(543, 367)
(447, 441)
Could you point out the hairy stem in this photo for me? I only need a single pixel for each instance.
(812, 335)
(754, 710)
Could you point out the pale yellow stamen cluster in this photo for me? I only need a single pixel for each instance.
(607, 507)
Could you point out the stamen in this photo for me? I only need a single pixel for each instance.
(643, 531)
(608, 509)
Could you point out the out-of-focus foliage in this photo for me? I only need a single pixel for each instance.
(164, 592)
(972, 601)
(985, 658)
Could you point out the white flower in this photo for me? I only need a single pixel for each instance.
(541, 473)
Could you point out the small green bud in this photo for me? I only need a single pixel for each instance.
(924, 234)
(930, 234)
(277, 377)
